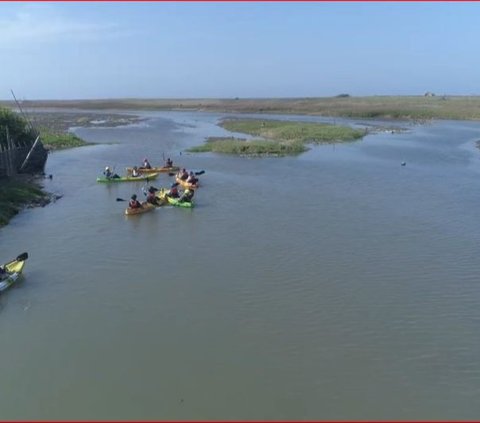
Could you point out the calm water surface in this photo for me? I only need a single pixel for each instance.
(333, 285)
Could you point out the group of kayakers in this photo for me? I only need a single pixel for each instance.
(146, 164)
(187, 177)
(183, 197)
(137, 170)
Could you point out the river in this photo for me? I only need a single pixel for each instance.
(336, 284)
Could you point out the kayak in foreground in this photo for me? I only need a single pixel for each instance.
(146, 207)
(11, 271)
(174, 201)
(128, 178)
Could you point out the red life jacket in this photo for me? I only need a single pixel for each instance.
(134, 204)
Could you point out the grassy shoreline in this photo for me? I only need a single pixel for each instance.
(24, 191)
(18, 193)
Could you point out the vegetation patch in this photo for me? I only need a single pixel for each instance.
(254, 147)
(17, 194)
(13, 129)
(59, 141)
(278, 137)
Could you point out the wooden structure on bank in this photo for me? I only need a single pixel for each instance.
(22, 157)
(29, 158)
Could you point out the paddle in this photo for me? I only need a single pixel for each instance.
(121, 199)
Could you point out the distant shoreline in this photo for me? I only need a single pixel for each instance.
(417, 108)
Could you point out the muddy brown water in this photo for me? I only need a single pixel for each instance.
(336, 284)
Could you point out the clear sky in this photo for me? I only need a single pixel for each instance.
(63, 50)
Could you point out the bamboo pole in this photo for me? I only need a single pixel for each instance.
(30, 152)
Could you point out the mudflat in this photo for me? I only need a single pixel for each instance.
(421, 107)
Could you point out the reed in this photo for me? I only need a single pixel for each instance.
(278, 138)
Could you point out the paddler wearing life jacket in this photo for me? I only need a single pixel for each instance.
(134, 203)
(173, 191)
(151, 197)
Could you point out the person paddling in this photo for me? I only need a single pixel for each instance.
(192, 179)
(187, 196)
(173, 191)
(109, 174)
(146, 164)
(135, 172)
(3, 273)
(134, 203)
(151, 197)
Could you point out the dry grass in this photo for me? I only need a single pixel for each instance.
(404, 107)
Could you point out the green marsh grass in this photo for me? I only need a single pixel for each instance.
(278, 137)
(60, 141)
(15, 195)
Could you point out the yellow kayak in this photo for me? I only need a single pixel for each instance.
(128, 178)
(11, 271)
(146, 207)
(186, 184)
(162, 169)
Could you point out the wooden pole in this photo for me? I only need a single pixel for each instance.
(30, 152)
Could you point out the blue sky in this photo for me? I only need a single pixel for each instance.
(63, 50)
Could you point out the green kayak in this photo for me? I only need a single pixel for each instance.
(174, 201)
(128, 178)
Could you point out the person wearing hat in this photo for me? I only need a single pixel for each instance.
(134, 203)
(109, 174)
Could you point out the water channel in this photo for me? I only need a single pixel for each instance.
(336, 284)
